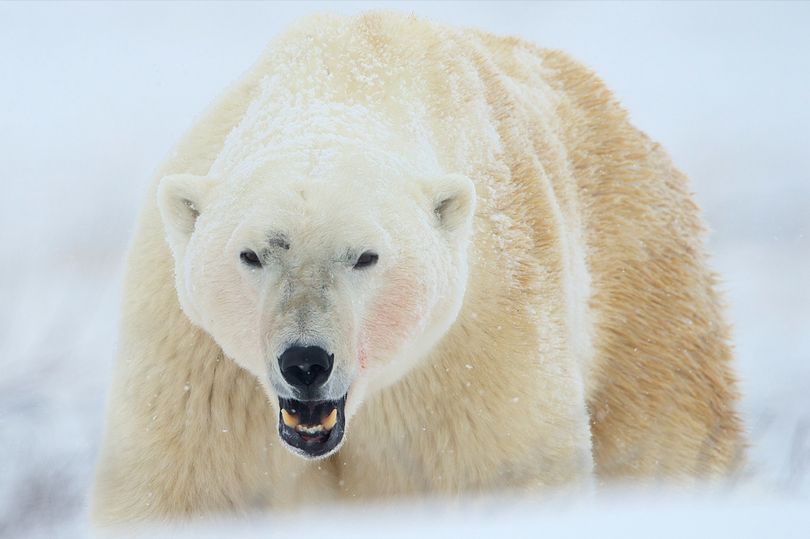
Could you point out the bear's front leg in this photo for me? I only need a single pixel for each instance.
(194, 438)
(469, 424)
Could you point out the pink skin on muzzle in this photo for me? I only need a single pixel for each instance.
(392, 318)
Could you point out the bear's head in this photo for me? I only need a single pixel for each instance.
(327, 283)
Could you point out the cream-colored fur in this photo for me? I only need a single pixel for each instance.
(590, 341)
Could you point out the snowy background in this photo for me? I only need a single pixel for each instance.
(94, 95)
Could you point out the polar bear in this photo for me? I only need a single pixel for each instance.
(397, 258)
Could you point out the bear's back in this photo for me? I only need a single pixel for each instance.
(661, 392)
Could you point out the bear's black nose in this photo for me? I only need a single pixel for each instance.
(306, 367)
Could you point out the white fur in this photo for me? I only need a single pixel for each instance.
(338, 150)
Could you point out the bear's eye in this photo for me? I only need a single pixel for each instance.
(250, 258)
(366, 259)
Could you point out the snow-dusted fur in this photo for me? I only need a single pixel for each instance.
(541, 313)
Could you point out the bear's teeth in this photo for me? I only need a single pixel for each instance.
(309, 429)
(289, 419)
(292, 421)
(330, 420)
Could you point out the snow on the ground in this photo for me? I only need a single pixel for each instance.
(94, 95)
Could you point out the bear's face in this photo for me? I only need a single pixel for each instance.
(325, 288)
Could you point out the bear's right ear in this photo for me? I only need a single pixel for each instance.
(453, 198)
(181, 198)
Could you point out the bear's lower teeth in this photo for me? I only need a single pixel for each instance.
(329, 421)
(292, 421)
(310, 429)
(289, 419)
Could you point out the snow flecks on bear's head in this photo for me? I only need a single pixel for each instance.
(333, 81)
(315, 132)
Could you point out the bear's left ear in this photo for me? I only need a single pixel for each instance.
(453, 198)
(181, 198)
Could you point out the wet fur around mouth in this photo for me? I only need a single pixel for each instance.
(319, 442)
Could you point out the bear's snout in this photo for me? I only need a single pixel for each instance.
(306, 368)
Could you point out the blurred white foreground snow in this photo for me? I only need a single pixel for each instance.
(94, 95)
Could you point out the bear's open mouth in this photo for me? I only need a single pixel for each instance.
(312, 428)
